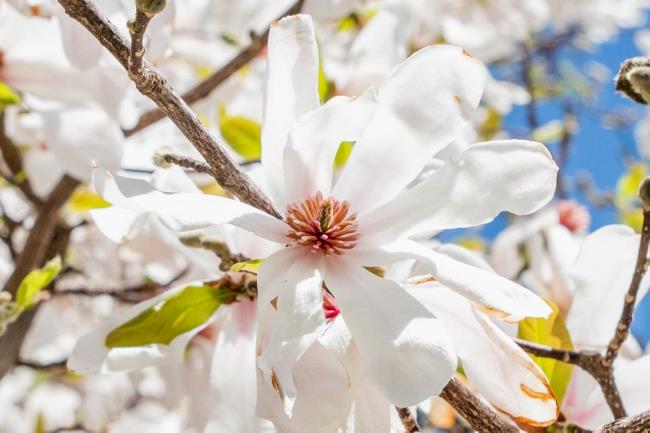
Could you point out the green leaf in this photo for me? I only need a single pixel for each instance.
(242, 134)
(627, 187)
(83, 200)
(343, 153)
(249, 266)
(36, 281)
(171, 317)
(8, 96)
(550, 332)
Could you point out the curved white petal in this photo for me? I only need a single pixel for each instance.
(232, 375)
(91, 356)
(602, 273)
(290, 316)
(370, 411)
(315, 139)
(517, 176)
(501, 371)
(291, 91)
(80, 46)
(501, 297)
(185, 211)
(585, 405)
(78, 136)
(394, 333)
(423, 104)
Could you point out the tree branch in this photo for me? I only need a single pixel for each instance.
(46, 238)
(137, 29)
(204, 88)
(155, 86)
(14, 160)
(474, 411)
(167, 159)
(408, 421)
(623, 327)
(634, 424)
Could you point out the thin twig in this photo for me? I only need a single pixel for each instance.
(474, 411)
(155, 86)
(14, 160)
(527, 78)
(219, 248)
(137, 29)
(408, 420)
(623, 327)
(589, 361)
(182, 161)
(205, 87)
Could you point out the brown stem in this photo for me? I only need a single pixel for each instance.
(155, 86)
(474, 411)
(634, 424)
(44, 241)
(589, 361)
(185, 162)
(408, 421)
(14, 160)
(205, 87)
(623, 327)
(137, 29)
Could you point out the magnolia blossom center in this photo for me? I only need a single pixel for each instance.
(323, 224)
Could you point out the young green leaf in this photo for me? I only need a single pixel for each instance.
(8, 96)
(242, 134)
(83, 200)
(248, 266)
(171, 317)
(550, 332)
(36, 281)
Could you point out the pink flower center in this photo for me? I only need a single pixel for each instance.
(323, 224)
(573, 216)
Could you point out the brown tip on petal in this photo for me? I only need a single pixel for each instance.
(466, 53)
(458, 99)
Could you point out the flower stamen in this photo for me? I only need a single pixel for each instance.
(323, 224)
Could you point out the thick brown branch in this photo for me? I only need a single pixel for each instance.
(634, 424)
(205, 87)
(474, 411)
(155, 86)
(408, 421)
(44, 241)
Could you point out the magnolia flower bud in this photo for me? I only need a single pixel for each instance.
(633, 79)
(644, 193)
(160, 157)
(150, 7)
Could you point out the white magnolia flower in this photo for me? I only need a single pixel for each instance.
(551, 240)
(363, 218)
(64, 140)
(602, 273)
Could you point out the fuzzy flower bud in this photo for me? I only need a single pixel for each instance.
(150, 7)
(633, 79)
(160, 159)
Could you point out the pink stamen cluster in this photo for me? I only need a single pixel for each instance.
(573, 216)
(323, 224)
